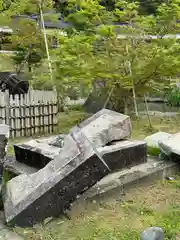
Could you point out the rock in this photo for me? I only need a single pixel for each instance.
(106, 126)
(32, 198)
(170, 146)
(153, 140)
(153, 233)
(124, 154)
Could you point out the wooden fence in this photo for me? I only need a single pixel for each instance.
(29, 114)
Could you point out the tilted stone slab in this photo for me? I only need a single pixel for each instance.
(124, 154)
(32, 198)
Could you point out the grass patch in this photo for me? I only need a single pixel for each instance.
(153, 151)
(166, 124)
(117, 220)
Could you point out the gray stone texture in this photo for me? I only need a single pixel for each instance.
(106, 126)
(32, 198)
(170, 146)
(42, 149)
(152, 233)
(68, 167)
(102, 128)
(153, 140)
(124, 154)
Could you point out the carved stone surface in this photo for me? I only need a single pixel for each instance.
(153, 140)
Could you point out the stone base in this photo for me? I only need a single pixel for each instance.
(124, 154)
(26, 154)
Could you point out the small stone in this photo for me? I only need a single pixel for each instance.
(152, 233)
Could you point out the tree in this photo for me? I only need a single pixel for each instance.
(28, 44)
(131, 66)
(27, 38)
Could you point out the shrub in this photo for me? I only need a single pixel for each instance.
(173, 97)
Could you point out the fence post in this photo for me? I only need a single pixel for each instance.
(7, 107)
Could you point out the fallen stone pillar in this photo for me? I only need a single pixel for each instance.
(32, 198)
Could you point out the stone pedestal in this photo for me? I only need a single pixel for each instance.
(124, 154)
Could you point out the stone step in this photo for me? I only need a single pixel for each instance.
(16, 168)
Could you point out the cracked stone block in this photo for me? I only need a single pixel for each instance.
(30, 199)
(106, 126)
(124, 154)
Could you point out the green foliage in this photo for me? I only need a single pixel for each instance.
(173, 97)
(93, 50)
(28, 43)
